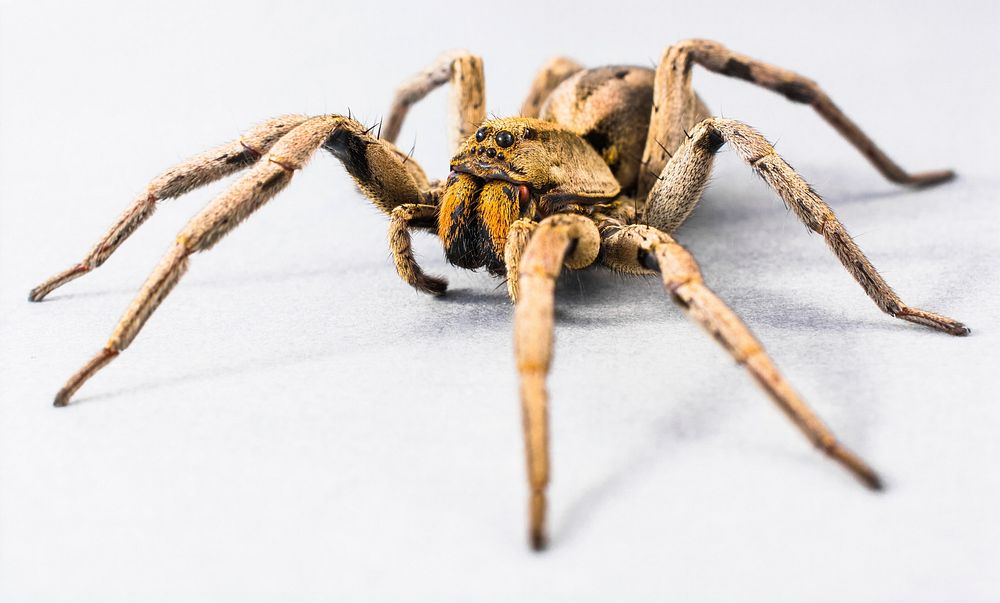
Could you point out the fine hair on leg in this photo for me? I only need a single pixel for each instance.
(466, 101)
(636, 249)
(679, 188)
(553, 73)
(377, 167)
(674, 108)
(517, 240)
(564, 239)
(402, 220)
(182, 178)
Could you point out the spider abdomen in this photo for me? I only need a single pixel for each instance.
(610, 108)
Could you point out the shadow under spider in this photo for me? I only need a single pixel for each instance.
(208, 373)
(702, 410)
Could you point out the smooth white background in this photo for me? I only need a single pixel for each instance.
(296, 424)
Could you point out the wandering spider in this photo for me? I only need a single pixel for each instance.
(601, 165)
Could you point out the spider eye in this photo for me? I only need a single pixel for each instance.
(505, 138)
(529, 133)
(480, 134)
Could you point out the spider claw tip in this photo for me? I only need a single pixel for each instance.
(435, 286)
(62, 398)
(872, 481)
(538, 542)
(953, 327)
(946, 175)
(926, 179)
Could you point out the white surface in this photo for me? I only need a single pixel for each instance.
(296, 424)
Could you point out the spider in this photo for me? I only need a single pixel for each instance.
(599, 168)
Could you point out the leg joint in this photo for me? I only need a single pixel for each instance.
(254, 154)
(282, 162)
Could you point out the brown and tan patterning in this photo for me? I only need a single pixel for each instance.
(601, 166)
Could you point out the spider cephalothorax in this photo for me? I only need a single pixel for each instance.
(510, 169)
(528, 197)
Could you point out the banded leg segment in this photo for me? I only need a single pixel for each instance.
(570, 240)
(635, 248)
(467, 100)
(674, 111)
(551, 75)
(195, 172)
(347, 138)
(679, 188)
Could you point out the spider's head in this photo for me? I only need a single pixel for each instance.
(548, 159)
(514, 168)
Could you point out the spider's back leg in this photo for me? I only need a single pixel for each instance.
(548, 78)
(379, 169)
(195, 172)
(466, 103)
(675, 111)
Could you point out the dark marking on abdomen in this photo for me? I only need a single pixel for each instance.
(594, 79)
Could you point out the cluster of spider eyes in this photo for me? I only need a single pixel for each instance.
(503, 139)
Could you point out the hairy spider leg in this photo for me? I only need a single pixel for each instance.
(674, 196)
(546, 80)
(466, 102)
(675, 107)
(182, 178)
(517, 240)
(637, 248)
(380, 170)
(564, 239)
(403, 219)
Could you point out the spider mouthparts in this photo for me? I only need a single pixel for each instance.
(486, 170)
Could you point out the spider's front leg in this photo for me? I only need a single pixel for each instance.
(675, 108)
(637, 249)
(564, 239)
(384, 174)
(517, 241)
(197, 171)
(679, 189)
